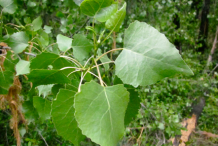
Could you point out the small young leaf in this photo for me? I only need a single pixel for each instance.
(44, 89)
(92, 7)
(78, 2)
(100, 112)
(18, 42)
(43, 106)
(64, 43)
(9, 6)
(104, 59)
(116, 20)
(37, 23)
(47, 29)
(81, 47)
(105, 13)
(63, 117)
(45, 77)
(149, 57)
(22, 67)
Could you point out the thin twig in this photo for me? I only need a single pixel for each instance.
(108, 52)
(43, 138)
(96, 77)
(213, 69)
(30, 54)
(103, 64)
(99, 74)
(69, 68)
(138, 140)
(88, 60)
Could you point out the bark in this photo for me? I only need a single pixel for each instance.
(204, 26)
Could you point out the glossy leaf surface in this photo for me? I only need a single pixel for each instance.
(100, 112)
(116, 20)
(92, 7)
(148, 56)
(105, 13)
(63, 117)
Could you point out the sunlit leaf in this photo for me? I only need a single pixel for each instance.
(18, 41)
(44, 89)
(105, 13)
(64, 43)
(148, 56)
(22, 67)
(9, 6)
(37, 23)
(116, 20)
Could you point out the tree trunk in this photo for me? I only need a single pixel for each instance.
(204, 26)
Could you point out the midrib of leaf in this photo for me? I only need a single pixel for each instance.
(154, 59)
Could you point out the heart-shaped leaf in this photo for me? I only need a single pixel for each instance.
(100, 112)
(64, 43)
(116, 20)
(92, 7)
(18, 42)
(63, 117)
(22, 67)
(148, 56)
(81, 47)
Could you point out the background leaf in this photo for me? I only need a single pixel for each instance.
(9, 6)
(44, 89)
(100, 112)
(91, 7)
(18, 42)
(81, 47)
(64, 43)
(148, 55)
(37, 23)
(22, 67)
(116, 20)
(63, 117)
(105, 13)
(78, 2)
(43, 106)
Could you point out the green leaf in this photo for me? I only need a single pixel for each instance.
(37, 23)
(64, 43)
(6, 80)
(81, 47)
(105, 13)
(43, 106)
(45, 77)
(147, 57)
(43, 61)
(134, 102)
(100, 112)
(92, 7)
(18, 42)
(44, 90)
(43, 38)
(63, 117)
(116, 20)
(10, 62)
(47, 29)
(9, 6)
(78, 2)
(22, 67)
(30, 112)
